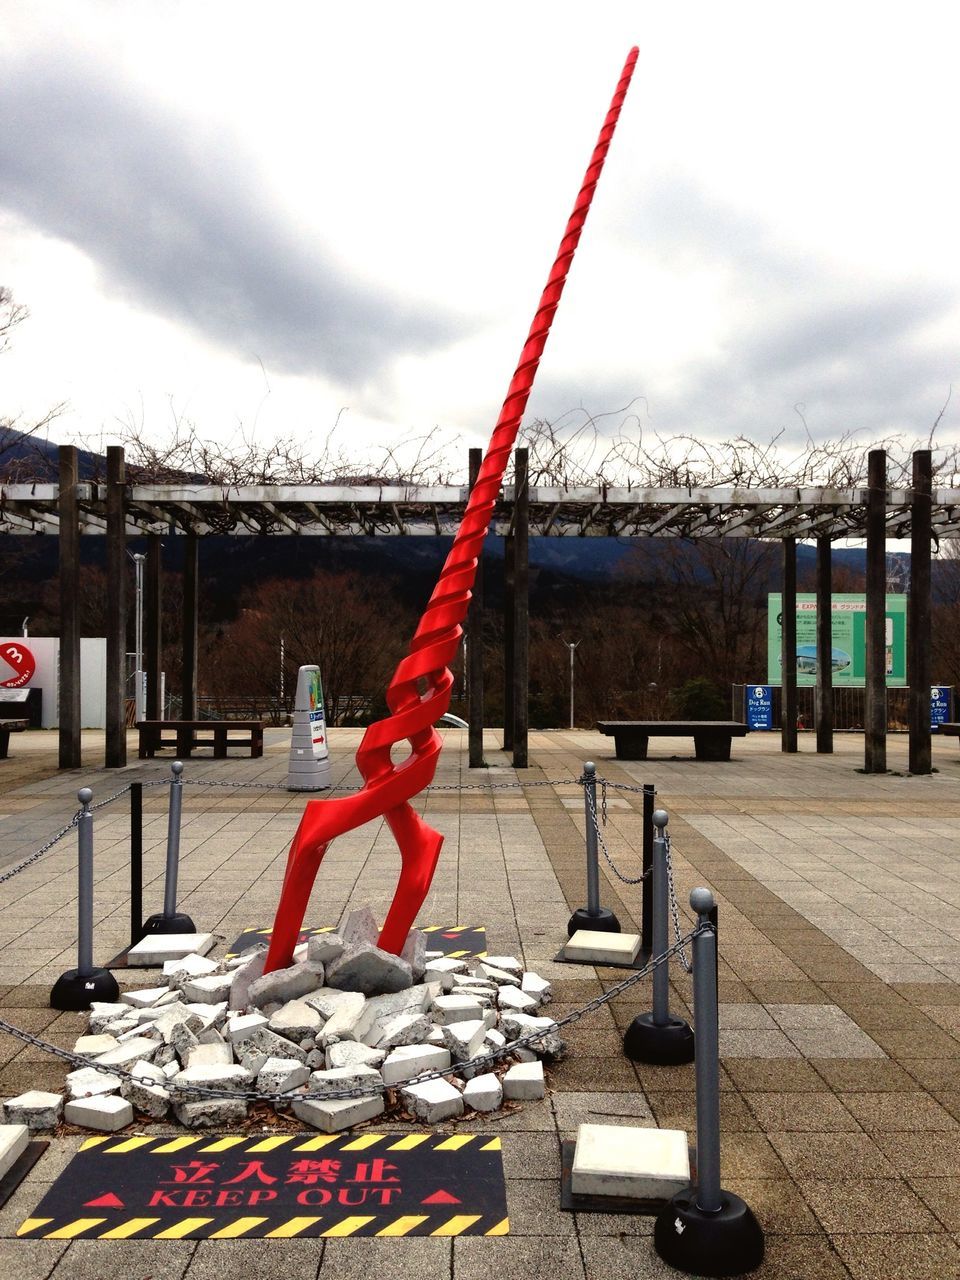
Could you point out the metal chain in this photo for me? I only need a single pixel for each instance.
(44, 848)
(78, 1060)
(675, 908)
(602, 843)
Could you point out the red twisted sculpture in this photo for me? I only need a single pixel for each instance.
(419, 692)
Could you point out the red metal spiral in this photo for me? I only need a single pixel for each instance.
(419, 692)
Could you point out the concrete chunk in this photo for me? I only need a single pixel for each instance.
(500, 976)
(243, 1025)
(516, 1000)
(324, 948)
(360, 929)
(510, 964)
(285, 984)
(332, 1117)
(156, 948)
(87, 1082)
(524, 1082)
(415, 953)
(621, 1160)
(213, 988)
(124, 1055)
(147, 1096)
(412, 1060)
(245, 977)
(264, 1043)
(14, 1139)
(368, 969)
(106, 1115)
(35, 1108)
(92, 1045)
(353, 1077)
(296, 1020)
(280, 1075)
(464, 1039)
(455, 1008)
(210, 1113)
(532, 984)
(350, 1053)
(191, 966)
(404, 1029)
(433, 1101)
(208, 1055)
(483, 1093)
(144, 997)
(379, 1010)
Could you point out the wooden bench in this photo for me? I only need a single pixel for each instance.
(711, 738)
(948, 729)
(186, 736)
(6, 728)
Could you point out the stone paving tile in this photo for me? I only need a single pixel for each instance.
(802, 1112)
(866, 1207)
(898, 1257)
(833, 1155)
(30, 1259)
(757, 1044)
(132, 1259)
(533, 1257)
(399, 1259)
(899, 1112)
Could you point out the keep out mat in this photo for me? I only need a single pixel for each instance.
(287, 1185)
(461, 941)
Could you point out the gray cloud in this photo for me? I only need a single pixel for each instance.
(174, 220)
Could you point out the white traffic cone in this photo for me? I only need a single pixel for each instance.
(309, 768)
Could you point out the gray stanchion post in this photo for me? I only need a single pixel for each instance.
(658, 1036)
(592, 916)
(705, 1230)
(78, 988)
(170, 920)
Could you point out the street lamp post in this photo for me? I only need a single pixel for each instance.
(571, 645)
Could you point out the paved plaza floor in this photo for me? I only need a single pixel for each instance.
(839, 910)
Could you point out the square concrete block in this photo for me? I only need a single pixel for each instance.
(105, 1114)
(592, 946)
(618, 1160)
(13, 1142)
(157, 948)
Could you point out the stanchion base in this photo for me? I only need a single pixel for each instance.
(726, 1243)
(603, 922)
(666, 1046)
(74, 992)
(177, 923)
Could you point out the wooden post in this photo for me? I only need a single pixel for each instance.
(69, 553)
(875, 691)
(521, 621)
(918, 623)
(788, 648)
(152, 628)
(115, 753)
(823, 693)
(191, 609)
(475, 646)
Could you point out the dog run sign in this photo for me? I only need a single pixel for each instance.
(278, 1187)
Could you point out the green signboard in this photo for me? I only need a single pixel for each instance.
(849, 651)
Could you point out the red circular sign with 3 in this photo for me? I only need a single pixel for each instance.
(22, 662)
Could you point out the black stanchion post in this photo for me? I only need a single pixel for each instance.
(705, 1230)
(136, 863)
(592, 916)
(658, 1037)
(170, 920)
(646, 889)
(78, 988)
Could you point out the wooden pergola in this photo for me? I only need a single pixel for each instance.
(117, 510)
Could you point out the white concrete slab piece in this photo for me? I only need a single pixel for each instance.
(157, 948)
(13, 1142)
(592, 946)
(620, 1160)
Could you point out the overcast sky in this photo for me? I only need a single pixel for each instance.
(259, 217)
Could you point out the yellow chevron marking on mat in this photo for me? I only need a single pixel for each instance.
(403, 1225)
(501, 1229)
(493, 1145)
(430, 928)
(238, 1228)
(175, 1144)
(93, 1142)
(73, 1228)
(455, 1143)
(348, 1226)
(182, 1228)
(130, 1144)
(408, 1143)
(315, 1144)
(481, 955)
(361, 1144)
(32, 1224)
(455, 955)
(291, 1228)
(127, 1229)
(270, 1144)
(454, 1226)
(224, 1144)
